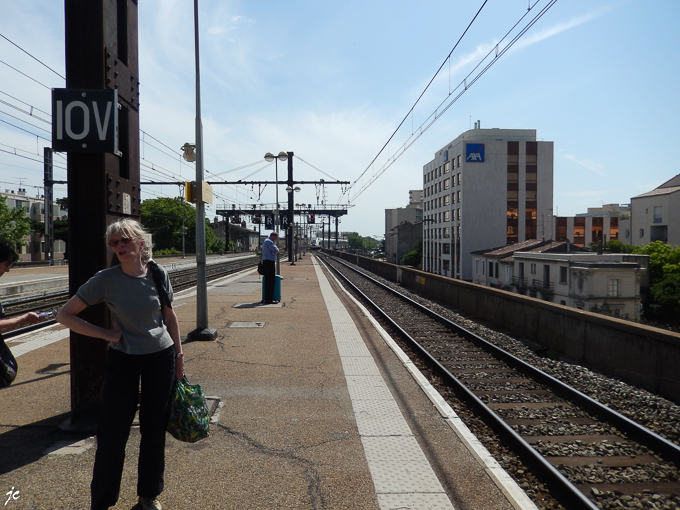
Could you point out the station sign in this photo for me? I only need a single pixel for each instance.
(85, 120)
(474, 152)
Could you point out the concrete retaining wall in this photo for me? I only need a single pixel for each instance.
(640, 355)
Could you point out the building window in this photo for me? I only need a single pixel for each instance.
(627, 234)
(613, 288)
(447, 199)
(447, 232)
(458, 195)
(447, 216)
(447, 167)
(642, 233)
(563, 274)
(476, 266)
(658, 214)
(532, 268)
(446, 248)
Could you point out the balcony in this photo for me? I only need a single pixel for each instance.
(543, 286)
(520, 283)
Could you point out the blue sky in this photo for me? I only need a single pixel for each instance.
(332, 81)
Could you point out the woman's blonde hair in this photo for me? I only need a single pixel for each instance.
(131, 229)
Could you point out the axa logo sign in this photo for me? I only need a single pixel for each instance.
(474, 152)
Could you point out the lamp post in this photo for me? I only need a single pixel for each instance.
(290, 236)
(202, 331)
(281, 157)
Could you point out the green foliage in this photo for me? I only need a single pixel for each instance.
(414, 258)
(170, 251)
(37, 227)
(666, 298)
(664, 260)
(14, 224)
(357, 242)
(616, 246)
(162, 217)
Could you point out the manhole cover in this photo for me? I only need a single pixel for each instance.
(247, 324)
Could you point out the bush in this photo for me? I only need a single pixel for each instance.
(666, 298)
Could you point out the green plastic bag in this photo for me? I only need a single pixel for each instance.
(189, 413)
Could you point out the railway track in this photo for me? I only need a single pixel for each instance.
(586, 454)
(181, 278)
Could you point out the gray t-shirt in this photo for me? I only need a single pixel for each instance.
(134, 305)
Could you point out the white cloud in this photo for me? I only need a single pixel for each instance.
(598, 168)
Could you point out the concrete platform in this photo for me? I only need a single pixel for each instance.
(318, 409)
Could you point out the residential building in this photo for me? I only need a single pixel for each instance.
(35, 248)
(597, 226)
(608, 283)
(402, 239)
(655, 215)
(411, 214)
(488, 187)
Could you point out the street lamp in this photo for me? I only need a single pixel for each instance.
(202, 331)
(269, 157)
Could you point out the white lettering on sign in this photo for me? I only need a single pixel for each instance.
(474, 156)
(86, 120)
(102, 127)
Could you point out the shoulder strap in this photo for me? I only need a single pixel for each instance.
(159, 280)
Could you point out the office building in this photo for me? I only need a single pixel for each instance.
(488, 187)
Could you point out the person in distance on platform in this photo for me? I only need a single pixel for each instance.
(145, 345)
(8, 366)
(269, 254)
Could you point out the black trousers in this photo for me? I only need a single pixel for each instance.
(119, 403)
(269, 280)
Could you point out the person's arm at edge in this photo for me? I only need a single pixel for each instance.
(68, 316)
(10, 324)
(171, 322)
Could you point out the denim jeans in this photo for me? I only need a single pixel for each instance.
(120, 395)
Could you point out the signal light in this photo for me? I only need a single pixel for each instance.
(311, 218)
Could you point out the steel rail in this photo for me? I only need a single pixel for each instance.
(643, 435)
(561, 488)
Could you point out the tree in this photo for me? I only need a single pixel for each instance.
(666, 298)
(414, 258)
(163, 217)
(14, 224)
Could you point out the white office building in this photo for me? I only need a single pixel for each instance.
(488, 187)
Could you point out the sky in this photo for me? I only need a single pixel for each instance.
(367, 92)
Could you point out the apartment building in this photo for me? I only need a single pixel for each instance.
(597, 226)
(655, 215)
(35, 248)
(488, 187)
(400, 235)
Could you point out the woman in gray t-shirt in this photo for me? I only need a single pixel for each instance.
(144, 347)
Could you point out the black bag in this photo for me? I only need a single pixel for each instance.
(260, 267)
(8, 365)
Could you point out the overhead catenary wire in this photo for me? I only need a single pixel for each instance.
(34, 58)
(439, 110)
(423, 92)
